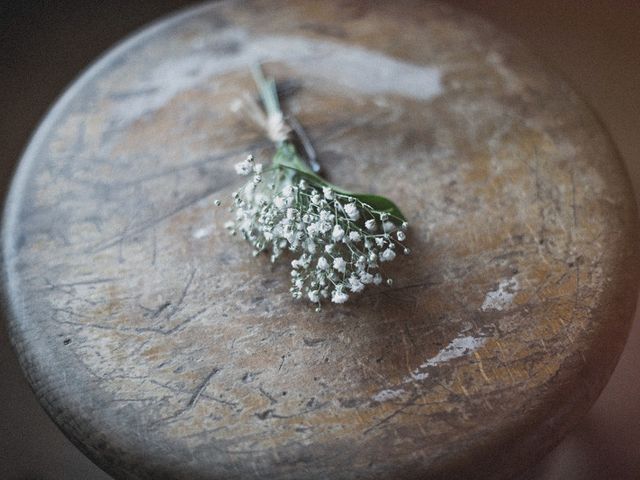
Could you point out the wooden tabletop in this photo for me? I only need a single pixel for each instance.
(163, 349)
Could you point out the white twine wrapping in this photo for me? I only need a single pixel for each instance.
(275, 126)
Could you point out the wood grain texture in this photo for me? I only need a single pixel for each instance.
(164, 350)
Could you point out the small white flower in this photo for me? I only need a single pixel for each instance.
(338, 296)
(387, 255)
(366, 278)
(313, 229)
(338, 233)
(323, 264)
(328, 193)
(326, 216)
(355, 284)
(388, 227)
(339, 264)
(351, 209)
(280, 203)
(370, 225)
(377, 279)
(287, 191)
(314, 296)
(324, 227)
(354, 236)
(401, 236)
(243, 168)
(325, 222)
(257, 168)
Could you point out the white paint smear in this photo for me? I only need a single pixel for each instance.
(459, 347)
(385, 395)
(502, 297)
(417, 375)
(357, 68)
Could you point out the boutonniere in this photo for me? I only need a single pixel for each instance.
(339, 239)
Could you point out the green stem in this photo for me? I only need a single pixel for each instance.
(267, 90)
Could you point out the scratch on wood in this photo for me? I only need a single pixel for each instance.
(482, 372)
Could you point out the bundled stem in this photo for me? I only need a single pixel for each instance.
(340, 237)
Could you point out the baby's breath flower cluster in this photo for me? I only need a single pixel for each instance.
(338, 239)
(339, 242)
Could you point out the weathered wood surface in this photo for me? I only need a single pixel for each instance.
(164, 350)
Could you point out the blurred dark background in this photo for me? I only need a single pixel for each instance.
(44, 45)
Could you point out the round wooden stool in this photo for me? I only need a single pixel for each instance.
(163, 349)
